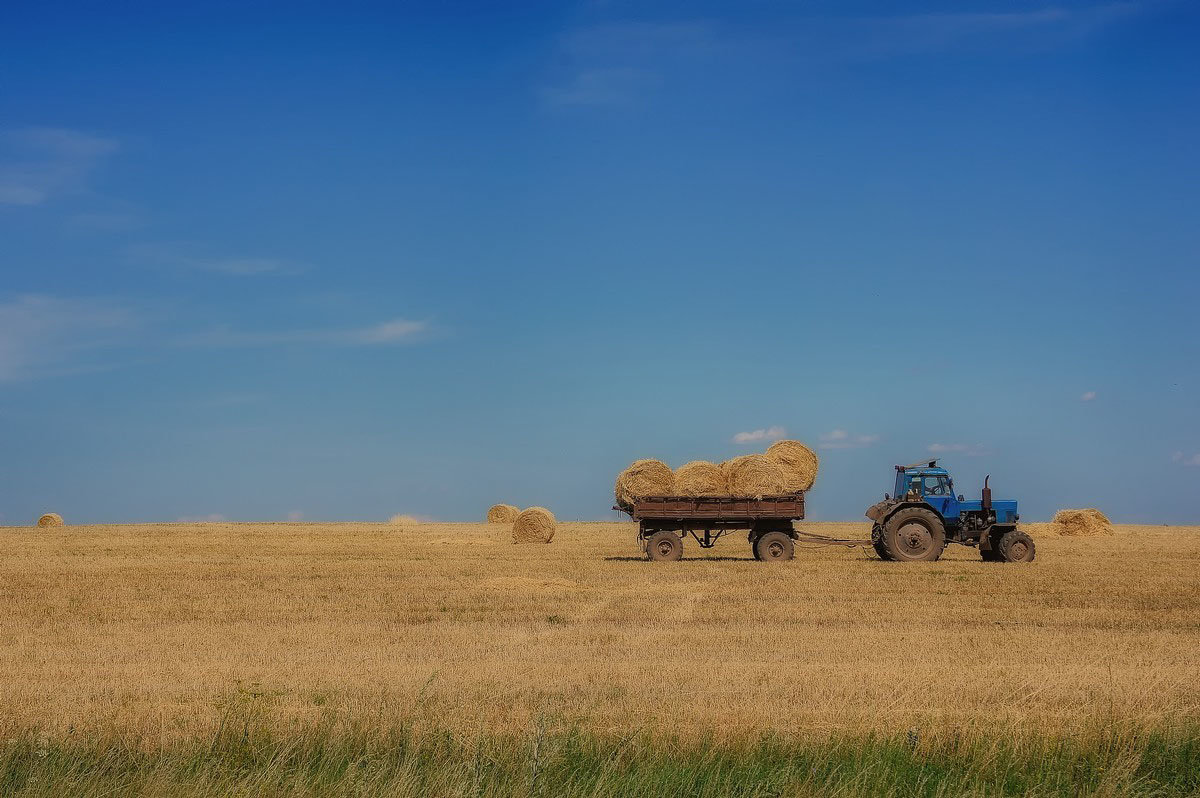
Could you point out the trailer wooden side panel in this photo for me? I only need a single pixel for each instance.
(720, 509)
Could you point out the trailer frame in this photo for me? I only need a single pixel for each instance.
(707, 519)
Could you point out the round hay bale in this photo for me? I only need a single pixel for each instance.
(800, 463)
(700, 478)
(1086, 523)
(756, 475)
(502, 514)
(50, 519)
(533, 525)
(644, 478)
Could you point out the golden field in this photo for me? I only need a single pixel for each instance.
(157, 630)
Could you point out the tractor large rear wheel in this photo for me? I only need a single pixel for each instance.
(877, 543)
(914, 534)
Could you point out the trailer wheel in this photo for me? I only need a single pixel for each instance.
(774, 547)
(914, 534)
(664, 546)
(1015, 546)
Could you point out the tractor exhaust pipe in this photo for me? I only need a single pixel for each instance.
(985, 500)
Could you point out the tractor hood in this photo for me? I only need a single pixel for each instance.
(1006, 509)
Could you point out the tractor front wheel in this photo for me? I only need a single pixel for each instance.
(664, 547)
(914, 534)
(1015, 546)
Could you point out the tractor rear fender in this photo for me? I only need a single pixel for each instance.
(887, 512)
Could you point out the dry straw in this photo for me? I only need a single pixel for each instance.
(502, 514)
(1085, 523)
(755, 475)
(644, 478)
(533, 525)
(700, 478)
(800, 464)
(50, 519)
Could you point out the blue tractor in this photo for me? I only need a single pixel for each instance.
(916, 522)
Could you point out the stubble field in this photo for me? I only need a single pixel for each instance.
(163, 634)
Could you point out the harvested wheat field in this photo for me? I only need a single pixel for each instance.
(151, 630)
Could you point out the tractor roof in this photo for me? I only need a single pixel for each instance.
(924, 467)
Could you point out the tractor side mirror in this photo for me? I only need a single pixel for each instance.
(960, 497)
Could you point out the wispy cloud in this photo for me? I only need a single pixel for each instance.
(603, 86)
(186, 257)
(396, 331)
(841, 439)
(39, 163)
(615, 63)
(1088, 396)
(883, 37)
(765, 434)
(968, 449)
(1186, 460)
(44, 335)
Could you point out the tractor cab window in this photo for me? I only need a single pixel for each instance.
(937, 486)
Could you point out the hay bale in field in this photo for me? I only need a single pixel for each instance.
(533, 525)
(800, 463)
(700, 478)
(644, 478)
(502, 514)
(1085, 523)
(50, 519)
(756, 475)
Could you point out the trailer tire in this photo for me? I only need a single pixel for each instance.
(664, 547)
(914, 534)
(1015, 546)
(774, 547)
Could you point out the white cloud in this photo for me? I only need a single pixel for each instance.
(185, 257)
(396, 331)
(753, 436)
(969, 449)
(39, 163)
(1185, 460)
(43, 335)
(211, 518)
(841, 439)
(1088, 396)
(389, 331)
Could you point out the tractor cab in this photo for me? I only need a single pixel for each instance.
(929, 484)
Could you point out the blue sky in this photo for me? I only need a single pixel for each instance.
(265, 261)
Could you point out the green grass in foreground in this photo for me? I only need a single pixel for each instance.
(347, 762)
